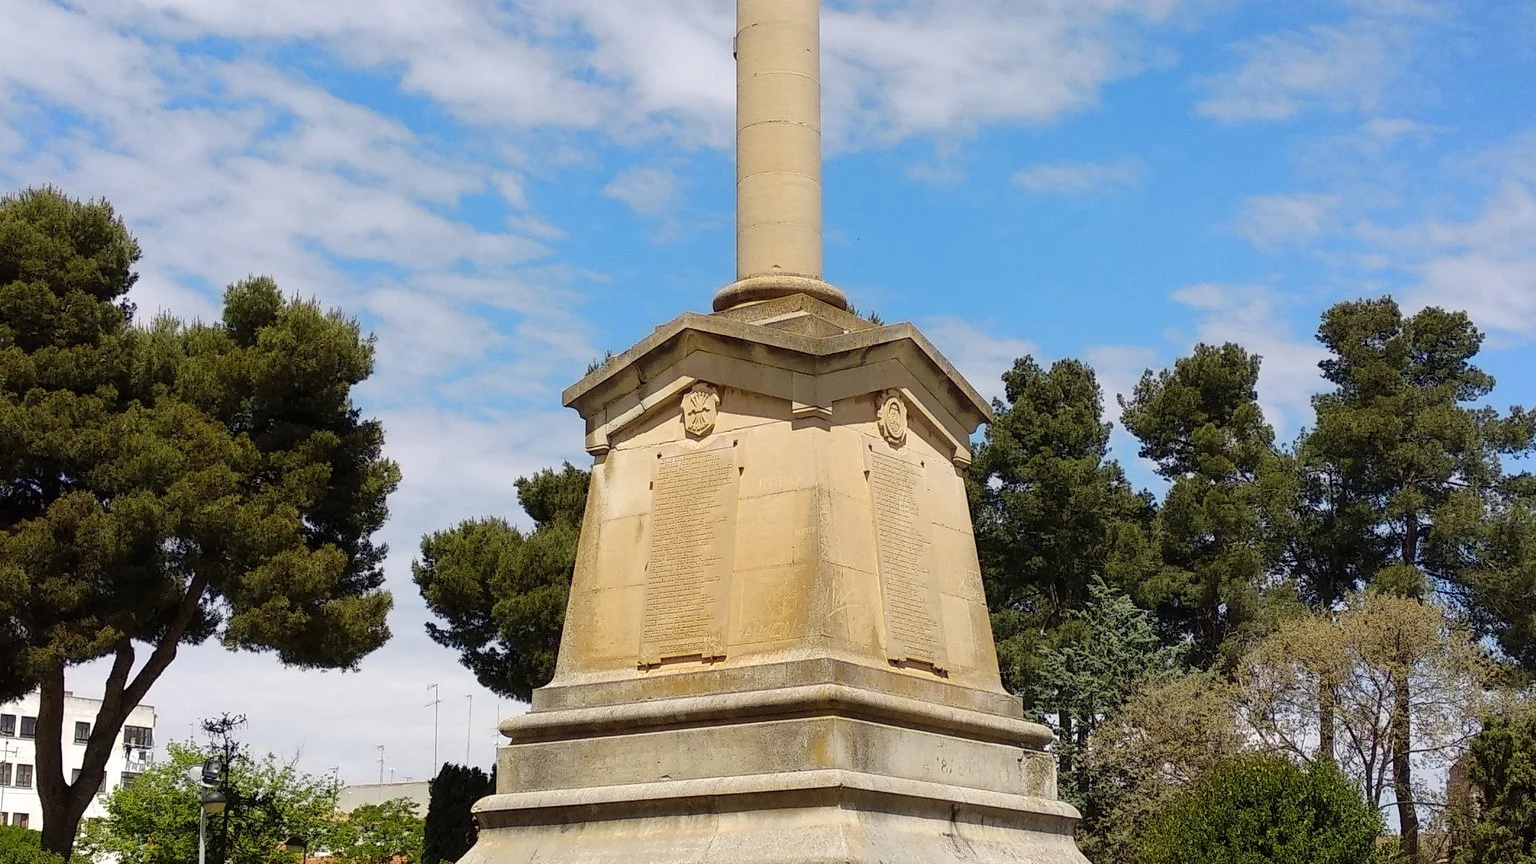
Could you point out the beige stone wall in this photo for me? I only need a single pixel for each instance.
(804, 577)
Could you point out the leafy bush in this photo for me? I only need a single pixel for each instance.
(20, 846)
(1256, 809)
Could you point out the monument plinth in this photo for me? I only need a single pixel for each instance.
(777, 649)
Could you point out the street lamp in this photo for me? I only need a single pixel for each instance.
(211, 801)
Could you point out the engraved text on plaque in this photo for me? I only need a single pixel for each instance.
(906, 579)
(693, 510)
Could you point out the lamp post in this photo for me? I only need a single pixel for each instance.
(212, 801)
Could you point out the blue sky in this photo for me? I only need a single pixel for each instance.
(502, 191)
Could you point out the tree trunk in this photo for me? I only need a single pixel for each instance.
(1402, 767)
(1327, 702)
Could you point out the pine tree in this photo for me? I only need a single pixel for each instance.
(1201, 423)
(166, 484)
(1051, 511)
(500, 592)
(1403, 429)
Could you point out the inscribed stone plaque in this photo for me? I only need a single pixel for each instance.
(912, 630)
(693, 528)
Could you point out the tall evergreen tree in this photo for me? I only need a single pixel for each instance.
(1403, 427)
(1201, 423)
(164, 485)
(1051, 511)
(450, 826)
(499, 592)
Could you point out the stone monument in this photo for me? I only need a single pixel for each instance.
(776, 650)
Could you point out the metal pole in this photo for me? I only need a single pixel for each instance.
(202, 834)
(469, 729)
(436, 701)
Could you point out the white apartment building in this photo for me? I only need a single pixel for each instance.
(19, 804)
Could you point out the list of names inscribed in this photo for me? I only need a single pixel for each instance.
(693, 510)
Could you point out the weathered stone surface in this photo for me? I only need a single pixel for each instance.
(777, 648)
(810, 817)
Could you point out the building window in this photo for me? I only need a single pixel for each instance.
(24, 776)
(138, 736)
(74, 777)
(5, 774)
(4, 818)
(8, 725)
(82, 733)
(29, 727)
(19, 820)
(130, 776)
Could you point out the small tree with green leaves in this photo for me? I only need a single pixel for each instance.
(385, 833)
(1259, 808)
(154, 819)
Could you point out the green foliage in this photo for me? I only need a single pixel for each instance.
(1201, 423)
(1103, 655)
(450, 826)
(379, 834)
(1503, 773)
(21, 846)
(1420, 462)
(166, 484)
(154, 820)
(1263, 810)
(500, 592)
(1051, 512)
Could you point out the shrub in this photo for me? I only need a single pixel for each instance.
(20, 846)
(1257, 809)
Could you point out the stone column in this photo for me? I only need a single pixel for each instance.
(778, 154)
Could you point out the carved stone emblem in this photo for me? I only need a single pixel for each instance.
(893, 417)
(701, 406)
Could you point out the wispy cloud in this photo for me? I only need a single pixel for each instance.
(647, 191)
(1080, 178)
(1347, 66)
(1272, 220)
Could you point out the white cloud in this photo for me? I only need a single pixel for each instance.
(1486, 266)
(892, 69)
(1080, 178)
(1272, 220)
(647, 191)
(1342, 68)
(980, 356)
(1347, 66)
